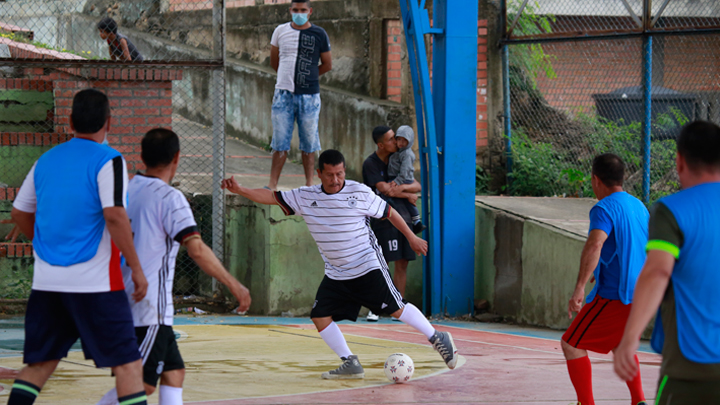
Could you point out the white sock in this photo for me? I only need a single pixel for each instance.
(413, 317)
(110, 398)
(170, 395)
(334, 338)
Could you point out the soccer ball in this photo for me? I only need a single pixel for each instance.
(399, 368)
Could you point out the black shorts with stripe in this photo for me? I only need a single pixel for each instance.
(159, 351)
(342, 299)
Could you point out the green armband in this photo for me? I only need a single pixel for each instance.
(663, 246)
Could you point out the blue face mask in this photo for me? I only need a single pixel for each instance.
(300, 18)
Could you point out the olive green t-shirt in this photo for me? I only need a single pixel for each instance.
(664, 234)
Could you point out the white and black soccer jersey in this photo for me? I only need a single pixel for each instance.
(300, 51)
(340, 225)
(161, 220)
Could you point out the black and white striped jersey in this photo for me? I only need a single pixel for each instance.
(161, 220)
(340, 225)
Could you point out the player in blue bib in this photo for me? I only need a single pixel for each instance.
(681, 277)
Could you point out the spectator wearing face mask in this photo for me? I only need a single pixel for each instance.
(300, 53)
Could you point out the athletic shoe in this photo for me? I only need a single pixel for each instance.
(395, 319)
(350, 368)
(372, 317)
(642, 403)
(443, 343)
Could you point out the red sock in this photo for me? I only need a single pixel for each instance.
(581, 377)
(635, 385)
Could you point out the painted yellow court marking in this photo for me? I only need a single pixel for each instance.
(240, 361)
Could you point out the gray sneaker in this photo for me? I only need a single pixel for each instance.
(350, 369)
(443, 343)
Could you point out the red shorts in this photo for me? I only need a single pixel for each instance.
(599, 326)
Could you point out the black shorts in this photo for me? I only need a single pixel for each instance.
(159, 351)
(342, 299)
(55, 320)
(393, 243)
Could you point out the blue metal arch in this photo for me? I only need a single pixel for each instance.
(446, 122)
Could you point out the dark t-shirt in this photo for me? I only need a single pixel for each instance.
(375, 171)
(664, 227)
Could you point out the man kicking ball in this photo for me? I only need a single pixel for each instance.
(161, 221)
(338, 216)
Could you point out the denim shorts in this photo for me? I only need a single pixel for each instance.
(286, 109)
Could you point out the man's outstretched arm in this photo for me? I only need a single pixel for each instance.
(258, 195)
(588, 262)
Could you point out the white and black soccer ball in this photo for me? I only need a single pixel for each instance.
(399, 368)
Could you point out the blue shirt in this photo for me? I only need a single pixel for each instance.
(620, 265)
(609, 280)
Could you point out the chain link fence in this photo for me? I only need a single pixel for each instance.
(51, 49)
(586, 78)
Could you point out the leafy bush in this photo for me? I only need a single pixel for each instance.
(562, 167)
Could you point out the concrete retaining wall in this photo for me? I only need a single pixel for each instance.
(524, 268)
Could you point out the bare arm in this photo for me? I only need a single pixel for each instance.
(118, 224)
(125, 50)
(274, 57)
(588, 262)
(400, 191)
(420, 246)
(258, 195)
(25, 221)
(325, 63)
(205, 258)
(649, 292)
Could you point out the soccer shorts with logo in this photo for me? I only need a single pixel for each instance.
(55, 320)
(598, 326)
(342, 299)
(159, 351)
(393, 243)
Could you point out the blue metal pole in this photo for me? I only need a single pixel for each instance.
(455, 96)
(647, 117)
(506, 113)
(424, 110)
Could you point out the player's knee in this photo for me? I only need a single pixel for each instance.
(149, 389)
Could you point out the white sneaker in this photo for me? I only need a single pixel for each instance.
(372, 317)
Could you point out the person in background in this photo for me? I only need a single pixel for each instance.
(296, 49)
(120, 47)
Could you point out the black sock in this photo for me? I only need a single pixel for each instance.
(23, 393)
(135, 399)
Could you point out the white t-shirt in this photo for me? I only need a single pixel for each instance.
(300, 50)
(161, 220)
(340, 225)
(101, 272)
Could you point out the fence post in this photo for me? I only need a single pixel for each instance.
(506, 113)
(217, 91)
(647, 116)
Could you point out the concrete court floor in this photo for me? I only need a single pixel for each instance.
(233, 360)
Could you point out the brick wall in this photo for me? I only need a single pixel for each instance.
(140, 99)
(481, 129)
(394, 72)
(689, 64)
(393, 68)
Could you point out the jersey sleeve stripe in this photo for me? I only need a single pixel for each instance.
(118, 180)
(386, 212)
(281, 202)
(663, 246)
(186, 234)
